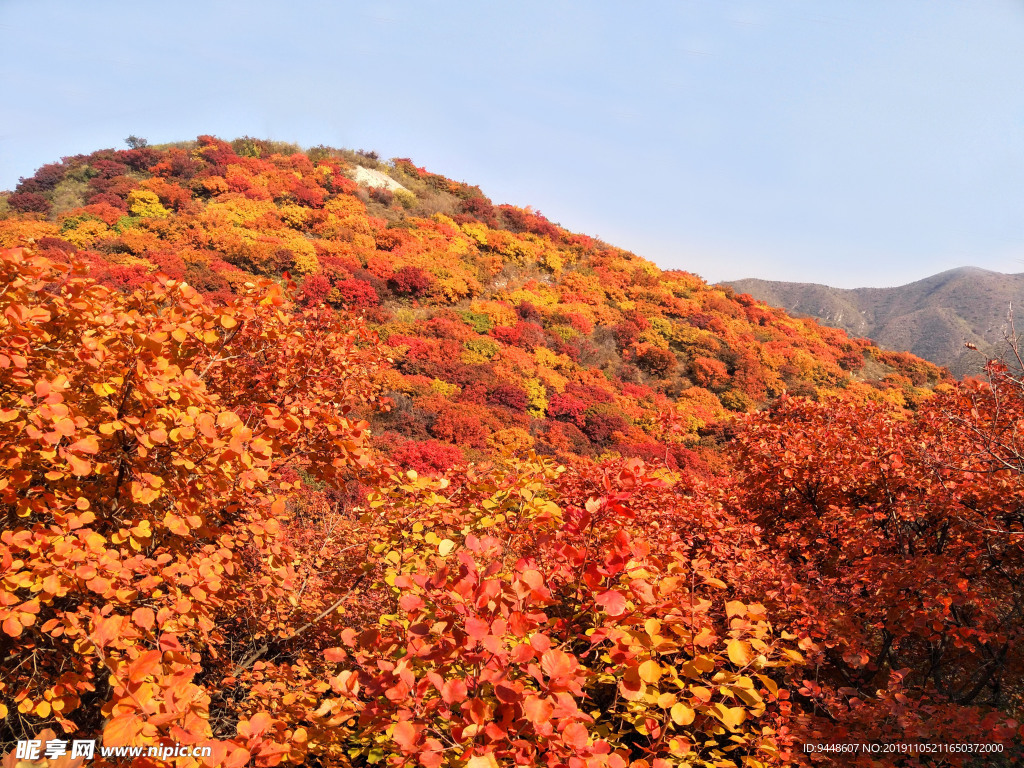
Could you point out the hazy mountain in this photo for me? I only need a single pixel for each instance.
(933, 318)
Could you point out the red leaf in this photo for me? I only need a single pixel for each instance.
(613, 602)
(335, 654)
(476, 628)
(537, 710)
(453, 691)
(557, 663)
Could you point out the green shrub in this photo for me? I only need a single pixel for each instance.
(486, 348)
(478, 322)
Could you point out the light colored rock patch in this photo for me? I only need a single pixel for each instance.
(368, 177)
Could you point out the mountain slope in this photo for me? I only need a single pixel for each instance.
(507, 332)
(933, 318)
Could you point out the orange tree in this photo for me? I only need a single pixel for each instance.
(148, 443)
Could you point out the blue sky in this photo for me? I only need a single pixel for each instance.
(863, 142)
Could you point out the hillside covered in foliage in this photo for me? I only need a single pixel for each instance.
(319, 472)
(507, 331)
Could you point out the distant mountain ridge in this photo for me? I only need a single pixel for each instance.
(935, 318)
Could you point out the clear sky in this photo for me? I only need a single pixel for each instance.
(849, 142)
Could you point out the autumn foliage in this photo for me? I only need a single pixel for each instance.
(320, 477)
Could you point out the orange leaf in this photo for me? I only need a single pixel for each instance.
(237, 758)
(649, 671)
(575, 735)
(256, 725)
(88, 444)
(740, 653)
(105, 630)
(64, 426)
(144, 617)
(12, 626)
(145, 665)
(682, 714)
(121, 730)
(404, 736)
(735, 608)
(79, 467)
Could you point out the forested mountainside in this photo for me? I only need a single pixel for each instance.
(935, 318)
(312, 459)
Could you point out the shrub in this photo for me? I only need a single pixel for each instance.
(459, 426)
(566, 407)
(480, 349)
(315, 289)
(382, 195)
(47, 177)
(108, 169)
(601, 425)
(626, 333)
(142, 202)
(656, 361)
(479, 322)
(507, 335)
(428, 457)
(736, 400)
(708, 371)
(653, 453)
(529, 313)
(356, 294)
(509, 396)
(536, 397)
(410, 281)
(29, 202)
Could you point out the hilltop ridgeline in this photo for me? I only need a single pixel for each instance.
(934, 318)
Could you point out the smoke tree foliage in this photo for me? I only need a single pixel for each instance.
(319, 478)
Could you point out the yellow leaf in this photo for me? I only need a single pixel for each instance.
(682, 714)
(733, 716)
(740, 653)
(666, 700)
(769, 684)
(445, 548)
